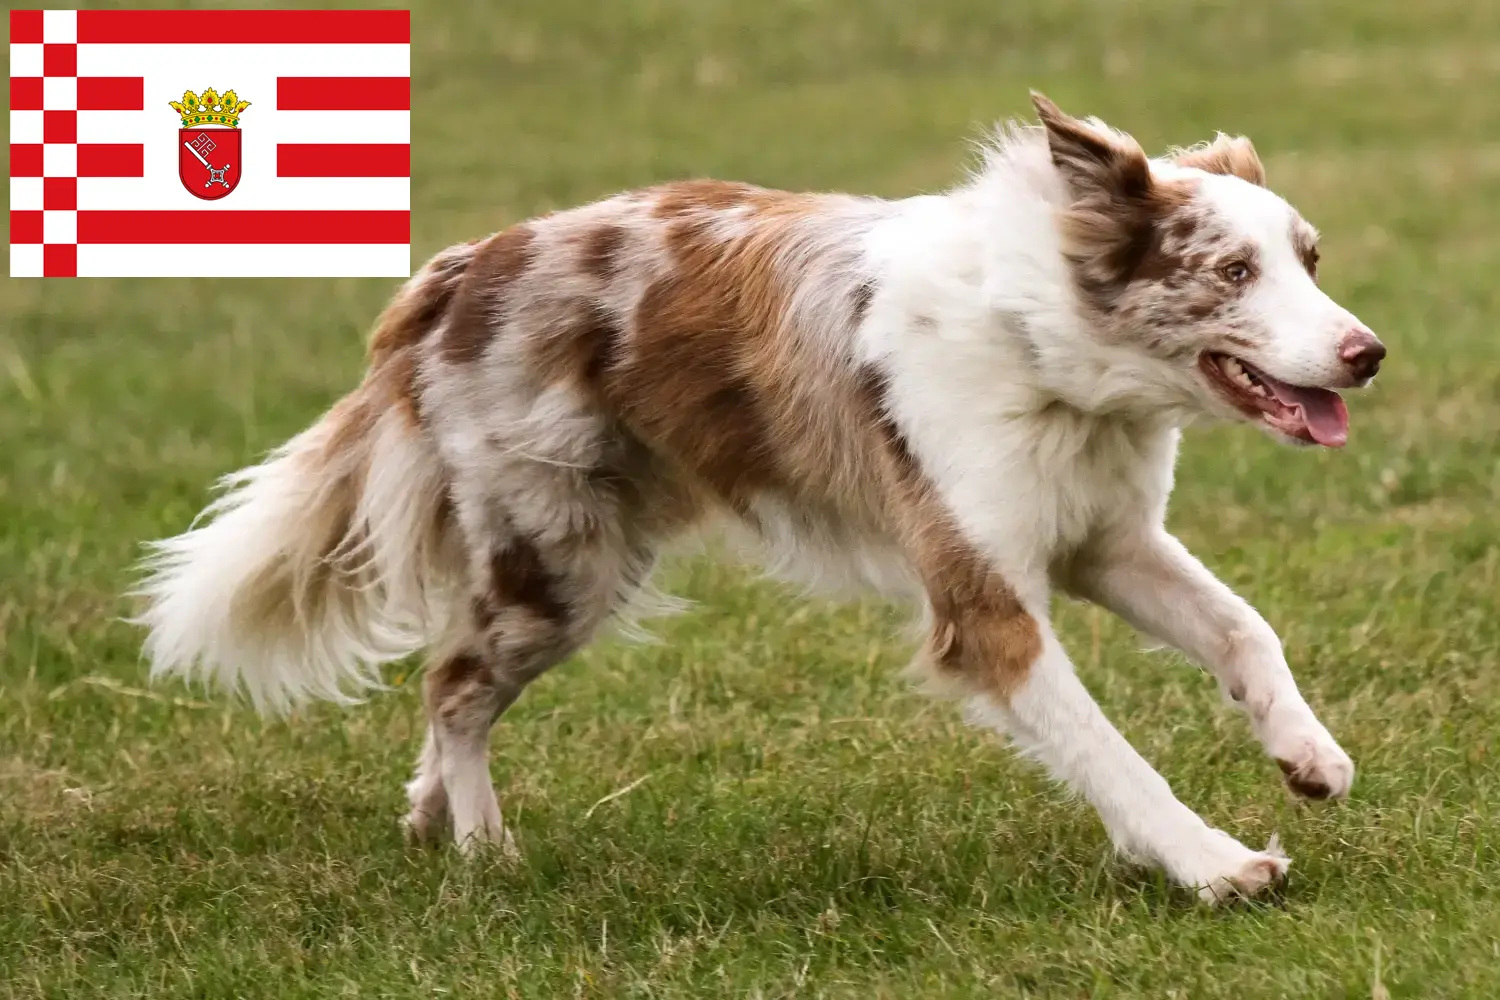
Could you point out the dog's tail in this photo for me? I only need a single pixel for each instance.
(334, 555)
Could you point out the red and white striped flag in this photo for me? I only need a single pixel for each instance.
(208, 143)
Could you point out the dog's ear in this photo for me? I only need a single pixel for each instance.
(1118, 208)
(1233, 156)
(1093, 161)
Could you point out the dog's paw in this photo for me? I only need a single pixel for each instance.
(1220, 868)
(1316, 768)
(1255, 874)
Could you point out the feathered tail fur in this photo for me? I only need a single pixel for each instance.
(331, 557)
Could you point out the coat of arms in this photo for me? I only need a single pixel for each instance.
(209, 152)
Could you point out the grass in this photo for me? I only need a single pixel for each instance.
(798, 823)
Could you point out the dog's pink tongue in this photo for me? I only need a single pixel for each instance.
(1323, 412)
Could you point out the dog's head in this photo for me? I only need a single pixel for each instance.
(1208, 278)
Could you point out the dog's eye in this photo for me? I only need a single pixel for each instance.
(1235, 271)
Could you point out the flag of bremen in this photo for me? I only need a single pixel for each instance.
(309, 177)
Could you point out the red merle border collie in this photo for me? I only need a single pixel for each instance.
(972, 399)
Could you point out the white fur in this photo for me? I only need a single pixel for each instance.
(1056, 450)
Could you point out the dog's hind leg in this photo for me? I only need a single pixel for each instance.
(465, 694)
(553, 553)
(429, 802)
(534, 607)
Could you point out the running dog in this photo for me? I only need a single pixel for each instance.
(971, 399)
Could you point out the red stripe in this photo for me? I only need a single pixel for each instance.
(26, 93)
(343, 93)
(111, 159)
(254, 27)
(25, 26)
(343, 159)
(26, 159)
(111, 93)
(209, 227)
(25, 226)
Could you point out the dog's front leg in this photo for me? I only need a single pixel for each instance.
(1150, 579)
(1002, 655)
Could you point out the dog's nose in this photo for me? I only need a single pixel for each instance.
(1362, 352)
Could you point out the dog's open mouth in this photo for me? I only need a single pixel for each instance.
(1304, 413)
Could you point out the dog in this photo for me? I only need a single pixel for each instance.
(970, 399)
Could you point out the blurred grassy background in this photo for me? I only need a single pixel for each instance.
(804, 825)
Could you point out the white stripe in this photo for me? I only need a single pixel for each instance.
(222, 67)
(267, 127)
(25, 59)
(25, 127)
(60, 26)
(25, 260)
(338, 126)
(239, 261)
(25, 193)
(257, 190)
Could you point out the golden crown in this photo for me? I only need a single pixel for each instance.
(212, 108)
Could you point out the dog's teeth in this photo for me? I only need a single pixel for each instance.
(1239, 376)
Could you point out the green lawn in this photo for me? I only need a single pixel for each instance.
(799, 822)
